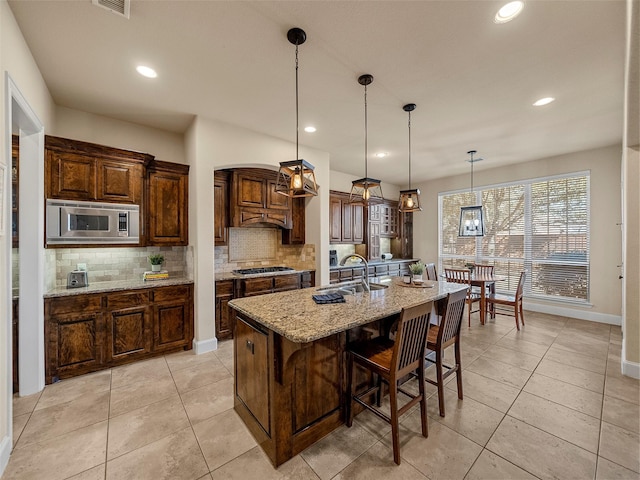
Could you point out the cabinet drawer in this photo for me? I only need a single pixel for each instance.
(358, 272)
(119, 301)
(75, 303)
(382, 269)
(164, 294)
(224, 287)
(256, 285)
(334, 276)
(286, 282)
(346, 274)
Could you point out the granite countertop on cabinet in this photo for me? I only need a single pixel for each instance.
(219, 276)
(115, 286)
(295, 315)
(373, 263)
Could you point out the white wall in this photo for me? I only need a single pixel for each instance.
(16, 59)
(213, 145)
(88, 127)
(604, 164)
(342, 182)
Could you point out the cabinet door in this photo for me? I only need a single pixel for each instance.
(347, 222)
(224, 293)
(118, 181)
(172, 318)
(358, 223)
(128, 326)
(374, 240)
(252, 373)
(335, 219)
(283, 283)
(15, 185)
(75, 344)
(276, 201)
(251, 191)
(248, 287)
(71, 176)
(168, 209)
(220, 209)
(296, 235)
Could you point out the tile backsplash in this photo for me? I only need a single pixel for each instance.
(109, 264)
(261, 247)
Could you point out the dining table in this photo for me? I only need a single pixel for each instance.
(484, 281)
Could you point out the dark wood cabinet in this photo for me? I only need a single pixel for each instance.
(221, 208)
(15, 189)
(346, 220)
(389, 219)
(224, 294)
(251, 370)
(15, 330)
(168, 203)
(296, 235)
(254, 199)
(89, 332)
(389, 268)
(85, 171)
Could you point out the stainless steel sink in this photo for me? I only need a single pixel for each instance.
(351, 288)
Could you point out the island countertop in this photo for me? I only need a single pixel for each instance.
(295, 316)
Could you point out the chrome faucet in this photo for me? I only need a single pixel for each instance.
(365, 279)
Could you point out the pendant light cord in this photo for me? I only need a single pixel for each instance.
(409, 150)
(297, 123)
(366, 175)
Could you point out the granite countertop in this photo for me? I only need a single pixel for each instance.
(373, 263)
(115, 286)
(295, 315)
(233, 276)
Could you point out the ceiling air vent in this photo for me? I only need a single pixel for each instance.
(119, 7)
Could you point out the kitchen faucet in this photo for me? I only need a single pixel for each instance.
(365, 279)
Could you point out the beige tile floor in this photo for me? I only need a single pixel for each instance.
(546, 402)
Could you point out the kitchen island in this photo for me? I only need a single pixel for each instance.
(290, 365)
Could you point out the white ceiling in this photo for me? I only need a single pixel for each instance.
(473, 81)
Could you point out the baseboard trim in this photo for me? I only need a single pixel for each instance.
(574, 313)
(5, 451)
(205, 346)
(630, 369)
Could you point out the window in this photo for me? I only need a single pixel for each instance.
(539, 225)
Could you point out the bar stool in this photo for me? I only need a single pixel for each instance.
(392, 360)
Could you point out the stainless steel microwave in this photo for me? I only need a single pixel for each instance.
(74, 223)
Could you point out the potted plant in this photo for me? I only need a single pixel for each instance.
(417, 269)
(156, 259)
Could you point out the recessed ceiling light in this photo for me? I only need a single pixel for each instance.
(543, 101)
(508, 12)
(146, 71)
(381, 154)
(309, 129)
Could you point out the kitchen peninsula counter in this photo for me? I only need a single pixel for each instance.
(115, 286)
(290, 361)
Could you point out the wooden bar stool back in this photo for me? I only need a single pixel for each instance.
(510, 305)
(432, 274)
(463, 275)
(392, 360)
(442, 336)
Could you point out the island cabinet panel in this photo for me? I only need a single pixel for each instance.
(90, 332)
(251, 371)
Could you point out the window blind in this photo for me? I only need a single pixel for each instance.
(538, 225)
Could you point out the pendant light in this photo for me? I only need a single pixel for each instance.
(471, 218)
(409, 199)
(365, 190)
(296, 177)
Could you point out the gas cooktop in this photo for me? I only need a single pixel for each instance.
(253, 271)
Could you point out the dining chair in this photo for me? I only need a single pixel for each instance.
(391, 360)
(463, 275)
(503, 304)
(442, 336)
(484, 270)
(432, 274)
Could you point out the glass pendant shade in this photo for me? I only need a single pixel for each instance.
(365, 190)
(471, 222)
(409, 199)
(297, 179)
(471, 218)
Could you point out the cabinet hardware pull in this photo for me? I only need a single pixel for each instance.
(250, 346)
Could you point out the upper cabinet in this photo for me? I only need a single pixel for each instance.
(254, 199)
(221, 207)
(346, 220)
(84, 171)
(168, 203)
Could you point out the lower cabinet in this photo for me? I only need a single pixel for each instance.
(224, 294)
(89, 332)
